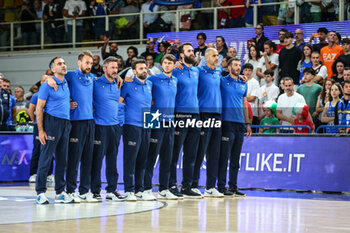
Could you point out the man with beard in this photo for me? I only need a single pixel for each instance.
(164, 87)
(234, 118)
(107, 130)
(137, 97)
(96, 67)
(186, 109)
(53, 127)
(282, 38)
(113, 49)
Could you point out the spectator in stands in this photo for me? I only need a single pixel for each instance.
(12, 107)
(288, 60)
(338, 39)
(301, 112)
(347, 73)
(270, 117)
(55, 29)
(74, 9)
(286, 13)
(22, 106)
(96, 68)
(113, 49)
(320, 69)
(149, 19)
(236, 15)
(260, 37)
(315, 11)
(310, 91)
(151, 44)
(200, 50)
(231, 52)
(120, 62)
(131, 29)
(99, 24)
(282, 39)
(250, 43)
(338, 71)
(269, 61)
(150, 65)
(39, 15)
(323, 98)
(328, 11)
(127, 71)
(269, 13)
(322, 36)
(305, 61)
(328, 113)
(346, 56)
(4, 106)
(286, 102)
(299, 39)
(162, 47)
(331, 52)
(253, 90)
(114, 7)
(249, 13)
(221, 45)
(167, 19)
(27, 13)
(224, 66)
(254, 58)
(342, 110)
(269, 91)
(132, 52)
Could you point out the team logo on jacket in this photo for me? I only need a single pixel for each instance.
(131, 143)
(225, 139)
(75, 140)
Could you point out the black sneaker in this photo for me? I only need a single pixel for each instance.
(236, 192)
(97, 196)
(114, 196)
(188, 193)
(226, 192)
(176, 192)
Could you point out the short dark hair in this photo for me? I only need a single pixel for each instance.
(138, 61)
(309, 70)
(227, 58)
(339, 36)
(345, 68)
(345, 41)
(332, 31)
(168, 57)
(203, 35)
(85, 53)
(248, 66)
(109, 60)
(323, 29)
(261, 25)
(181, 48)
(134, 49)
(289, 35)
(270, 44)
(283, 30)
(6, 80)
(53, 62)
(346, 82)
(232, 60)
(269, 72)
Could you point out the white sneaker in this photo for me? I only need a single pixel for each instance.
(50, 179)
(148, 195)
(130, 196)
(63, 198)
(32, 178)
(41, 199)
(213, 192)
(197, 191)
(166, 195)
(75, 197)
(87, 197)
(114, 196)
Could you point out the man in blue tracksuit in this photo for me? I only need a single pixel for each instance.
(234, 118)
(137, 97)
(342, 109)
(107, 130)
(164, 87)
(186, 110)
(53, 127)
(209, 98)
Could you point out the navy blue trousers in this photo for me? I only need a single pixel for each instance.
(36, 153)
(162, 142)
(189, 139)
(81, 146)
(57, 131)
(136, 144)
(209, 145)
(107, 139)
(231, 146)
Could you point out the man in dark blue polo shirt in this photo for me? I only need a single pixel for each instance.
(53, 127)
(4, 107)
(107, 130)
(186, 110)
(234, 117)
(209, 98)
(137, 97)
(164, 87)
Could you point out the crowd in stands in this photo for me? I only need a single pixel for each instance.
(126, 27)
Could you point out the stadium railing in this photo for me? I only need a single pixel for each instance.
(15, 33)
(286, 129)
(324, 128)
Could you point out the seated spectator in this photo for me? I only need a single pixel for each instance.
(299, 39)
(320, 70)
(151, 44)
(338, 71)
(221, 45)
(260, 37)
(55, 29)
(270, 119)
(315, 11)
(22, 106)
(253, 90)
(305, 61)
(99, 24)
(269, 61)
(249, 13)
(254, 58)
(269, 13)
(162, 47)
(322, 99)
(322, 36)
(131, 29)
(288, 60)
(310, 91)
(282, 39)
(132, 52)
(200, 50)
(96, 68)
(328, 11)
(74, 9)
(28, 30)
(346, 56)
(149, 19)
(113, 49)
(150, 65)
(342, 110)
(328, 113)
(331, 52)
(301, 112)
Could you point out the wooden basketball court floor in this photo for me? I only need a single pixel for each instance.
(260, 211)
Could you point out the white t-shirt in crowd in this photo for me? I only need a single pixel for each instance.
(321, 71)
(255, 65)
(253, 90)
(268, 93)
(75, 6)
(273, 59)
(286, 104)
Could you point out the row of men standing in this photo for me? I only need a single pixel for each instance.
(78, 116)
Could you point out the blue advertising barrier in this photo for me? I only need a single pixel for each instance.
(269, 162)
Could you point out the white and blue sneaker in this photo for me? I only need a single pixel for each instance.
(75, 197)
(145, 196)
(213, 192)
(196, 190)
(41, 199)
(63, 198)
(88, 197)
(130, 196)
(166, 195)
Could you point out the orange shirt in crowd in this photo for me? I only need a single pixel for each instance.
(328, 57)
